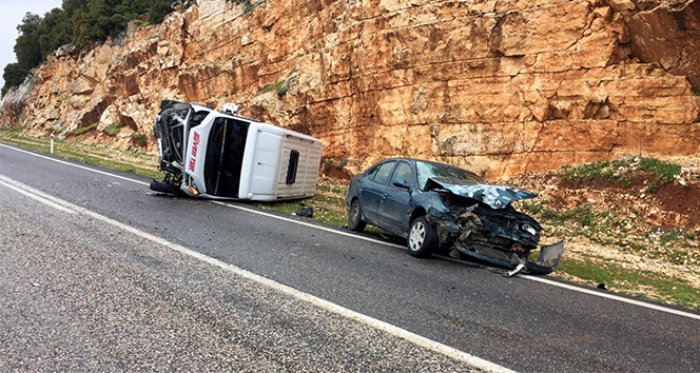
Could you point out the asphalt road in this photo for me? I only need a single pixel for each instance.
(79, 292)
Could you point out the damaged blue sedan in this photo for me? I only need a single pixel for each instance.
(438, 206)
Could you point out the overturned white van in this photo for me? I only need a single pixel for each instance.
(221, 155)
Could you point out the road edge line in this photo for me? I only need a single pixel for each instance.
(34, 194)
(329, 306)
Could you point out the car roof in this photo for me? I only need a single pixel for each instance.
(413, 160)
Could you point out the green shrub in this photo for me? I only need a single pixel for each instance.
(248, 6)
(140, 138)
(598, 172)
(113, 128)
(652, 188)
(271, 87)
(663, 171)
(670, 236)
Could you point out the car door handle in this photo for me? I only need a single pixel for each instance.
(386, 195)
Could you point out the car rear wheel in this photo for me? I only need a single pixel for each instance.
(421, 238)
(355, 222)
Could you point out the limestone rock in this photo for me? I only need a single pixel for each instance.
(501, 87)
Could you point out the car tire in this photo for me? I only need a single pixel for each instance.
(355, 222)
(421, 238)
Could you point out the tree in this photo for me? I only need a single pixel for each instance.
(54, 31)
(82, 22)
(27, 48)
(158, 10)
(13, 75)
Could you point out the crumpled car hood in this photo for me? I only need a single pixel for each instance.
(495, 196)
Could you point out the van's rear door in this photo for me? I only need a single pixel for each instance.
(299, 163)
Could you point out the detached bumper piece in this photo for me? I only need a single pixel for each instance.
(547, 261)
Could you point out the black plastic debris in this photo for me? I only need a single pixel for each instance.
(307, 212)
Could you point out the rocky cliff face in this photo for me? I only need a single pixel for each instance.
(498, 86)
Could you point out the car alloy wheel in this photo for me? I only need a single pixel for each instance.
(417, 236)
(421, 238)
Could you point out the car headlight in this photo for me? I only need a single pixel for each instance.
(529, 229)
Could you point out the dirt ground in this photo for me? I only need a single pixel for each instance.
(642, 224)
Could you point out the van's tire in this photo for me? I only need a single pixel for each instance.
(162, 187)
(422, 238)
(355, 222)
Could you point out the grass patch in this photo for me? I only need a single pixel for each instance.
(328, 208)
(113, 128)
(671, 236)
(598, 173)
(620, 171)
(279, 86)
(72, 151)
(81, 130)
(664, 172)
(615, 278)
(583, 215)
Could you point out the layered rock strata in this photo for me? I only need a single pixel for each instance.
(501, 87)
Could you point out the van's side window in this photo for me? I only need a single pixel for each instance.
(292, 167)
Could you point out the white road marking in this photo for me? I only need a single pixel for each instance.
(310, 225)
(74, 165)
(34, 194)
(614, 297)
(390, 329)
(335, 231)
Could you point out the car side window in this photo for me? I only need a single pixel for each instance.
(381, 175)
(403, 171)
(372, 172)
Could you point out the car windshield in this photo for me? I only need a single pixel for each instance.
(427, 170)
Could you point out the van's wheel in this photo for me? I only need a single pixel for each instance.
(421, 238)
(355, 222)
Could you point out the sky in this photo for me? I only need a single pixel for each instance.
(11, 14)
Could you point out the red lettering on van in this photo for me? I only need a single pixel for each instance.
(195, 143)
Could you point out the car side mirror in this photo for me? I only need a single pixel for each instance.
(401, 183)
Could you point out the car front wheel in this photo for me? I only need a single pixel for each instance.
(355, 222)
(421, 238)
